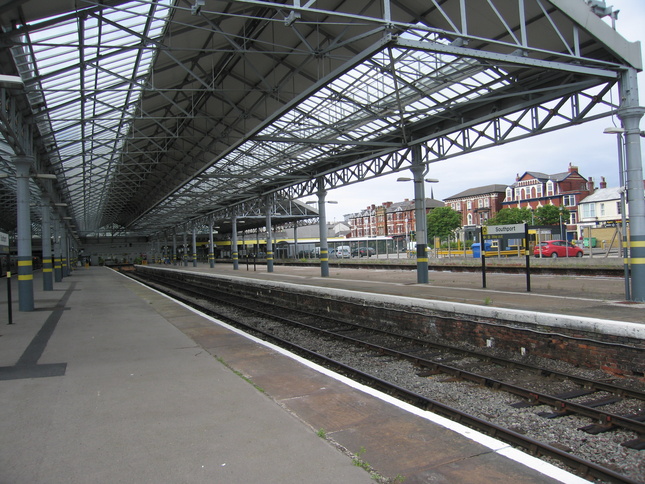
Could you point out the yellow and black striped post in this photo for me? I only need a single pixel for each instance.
(211, 247)
(25, 270)
(269, 234)
(48, 276)
(234, 253)
(630, 113)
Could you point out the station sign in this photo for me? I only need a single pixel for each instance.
(503, 229)
(4, 243)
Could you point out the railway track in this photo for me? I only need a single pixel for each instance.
(561, 392)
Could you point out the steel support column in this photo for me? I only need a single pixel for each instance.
(64, 245)
(174, 247)
(322, 228)
(48, 279)
(211, 246)
(234, 253)
(25, 269)
(418, 171)
(268, 207)
(194, 245)
(630, 113)
(184, 253)
(58, 270)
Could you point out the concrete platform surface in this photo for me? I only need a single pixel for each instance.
(138, 400)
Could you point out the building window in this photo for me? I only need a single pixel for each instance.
(588, 210)
(569, 200)
(618, 210)
(469, 205)
(602, 209)
(539, 191)
(549, 188)
(470, 219)
(509, 195)
(573, 218)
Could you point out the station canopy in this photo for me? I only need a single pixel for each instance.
(153, 115)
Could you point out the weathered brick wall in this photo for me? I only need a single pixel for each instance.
(612, 354)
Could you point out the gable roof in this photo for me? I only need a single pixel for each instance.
(543, 177)
(602, 194)
(473, 192)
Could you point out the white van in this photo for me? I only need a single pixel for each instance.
(343, 252)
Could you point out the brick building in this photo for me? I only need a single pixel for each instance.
(477, 205)
(389, 219)
(534, 189)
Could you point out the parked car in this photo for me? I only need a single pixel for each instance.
(557, 248)
(363, 252)
(343, 252)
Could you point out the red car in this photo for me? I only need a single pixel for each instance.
(557, 248)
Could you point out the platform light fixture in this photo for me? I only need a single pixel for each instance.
(407, 179)
(11, 82)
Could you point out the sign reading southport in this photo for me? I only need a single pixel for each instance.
(503, 229)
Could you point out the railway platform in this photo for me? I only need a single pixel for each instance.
(109, 381)
(600, 297)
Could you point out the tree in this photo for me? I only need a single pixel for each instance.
(551, 215)
(442, 222)
(508, 216)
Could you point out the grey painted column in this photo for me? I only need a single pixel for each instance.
(174, 247)
(295, 240)
(234, 253)
(194, 245)
(58, 271)
(184, 254)
(420, 215)
(25, 269)
(48, 276)
(322, 229)
(211, 246)
(269, 236)
(630, 113)
(64, 244)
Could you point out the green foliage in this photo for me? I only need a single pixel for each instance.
(551, 215)
(442, 222)
(508, 216)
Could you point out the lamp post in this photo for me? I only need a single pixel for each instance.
(419, 171)
(621, 180)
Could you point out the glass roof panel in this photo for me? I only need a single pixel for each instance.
(86, 70)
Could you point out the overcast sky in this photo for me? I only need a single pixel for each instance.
(584, 146)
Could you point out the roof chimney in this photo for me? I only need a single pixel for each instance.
(572, 168)
(590, 187)
(603, 183)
